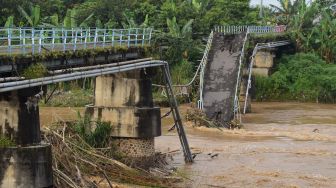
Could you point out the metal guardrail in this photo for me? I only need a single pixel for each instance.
(38, 40)
(203, 65)
(231, 29)
(236, 105)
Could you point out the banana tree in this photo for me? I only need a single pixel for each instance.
(287, 9)
(34, 18)
(10, 22)
(178, 39)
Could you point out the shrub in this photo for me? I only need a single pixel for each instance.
(37, 70)
(97, 137)
(301, 77)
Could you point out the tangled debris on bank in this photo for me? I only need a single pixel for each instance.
(199, 119)
(77, 164)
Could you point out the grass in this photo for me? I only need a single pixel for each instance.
(6, 142)
(76, 97)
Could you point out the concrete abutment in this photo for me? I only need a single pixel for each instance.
(125, 101)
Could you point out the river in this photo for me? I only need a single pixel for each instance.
(281, 145)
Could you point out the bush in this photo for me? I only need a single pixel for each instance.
(96, 138)
(37, 70)
(300, 77)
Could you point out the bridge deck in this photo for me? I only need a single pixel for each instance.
(220, 77)
(31, 40)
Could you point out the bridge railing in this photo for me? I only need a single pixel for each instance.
(231, 29)
(38, 40)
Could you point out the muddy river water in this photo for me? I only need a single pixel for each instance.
(281, 145)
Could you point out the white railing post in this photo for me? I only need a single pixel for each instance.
(113, 34)
(143, 36)
(95, 38)
(129, 37)
(104, 38)
(24, 41)
(85, 39)
(33, 40)
(136, 36)
(40, 41)
(20, 31)
(75, 42)
(9, 40)
(53, 39)
(64, 36)
(120, 37)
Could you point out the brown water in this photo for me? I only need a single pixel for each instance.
(281, 145)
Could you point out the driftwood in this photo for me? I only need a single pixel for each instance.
(199, 119)
(76, 164)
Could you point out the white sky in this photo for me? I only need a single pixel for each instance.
(266, 2)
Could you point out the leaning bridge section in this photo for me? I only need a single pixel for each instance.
(221, 70)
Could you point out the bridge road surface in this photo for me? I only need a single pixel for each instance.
(221, 75)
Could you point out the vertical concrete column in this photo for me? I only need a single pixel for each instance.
(263, 63)
(24, 161)
(125, 100)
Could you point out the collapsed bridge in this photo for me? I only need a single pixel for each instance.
(123, 93)
(221, 79)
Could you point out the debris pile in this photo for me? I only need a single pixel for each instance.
(77, 164)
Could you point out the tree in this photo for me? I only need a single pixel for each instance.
(287, 9)
(34, 19)
(9, 22)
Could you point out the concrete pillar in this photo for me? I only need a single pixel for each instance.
(263, 63)
(125, 100)
(25, 162)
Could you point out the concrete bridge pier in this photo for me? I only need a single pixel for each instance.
(24, 160)
(125, 100)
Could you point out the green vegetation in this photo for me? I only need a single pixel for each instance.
(96, 134)
(74, 97)
(37, 70)
(301, 77)
(6, 142)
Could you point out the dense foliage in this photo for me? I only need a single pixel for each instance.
(300, 77)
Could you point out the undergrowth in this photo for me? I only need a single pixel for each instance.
(6, 142)
(36, 70)
(303, 77)
(96, 133)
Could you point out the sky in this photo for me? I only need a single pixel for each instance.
(266, 2)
